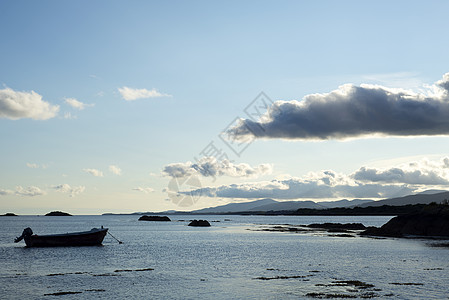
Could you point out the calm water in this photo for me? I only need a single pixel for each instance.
(222, 262)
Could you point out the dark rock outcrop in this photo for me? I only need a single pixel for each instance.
(9, 215)
(58, 213)
(154, 218)
(338, 226)
(432, 221)
(200, 223)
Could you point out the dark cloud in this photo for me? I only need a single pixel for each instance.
(354, 111)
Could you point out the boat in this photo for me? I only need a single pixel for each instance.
(92, 237)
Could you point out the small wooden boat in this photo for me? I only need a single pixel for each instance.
(85, 238)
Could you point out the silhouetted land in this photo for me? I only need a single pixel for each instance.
(431, 221)
(9, 215)
(199, 223)
(154, 218)
(58, 213)
(385, 210)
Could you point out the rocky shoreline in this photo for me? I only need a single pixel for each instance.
(432, 221)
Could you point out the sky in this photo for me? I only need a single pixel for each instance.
(126, 106)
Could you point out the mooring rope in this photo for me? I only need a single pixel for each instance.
(115, 238)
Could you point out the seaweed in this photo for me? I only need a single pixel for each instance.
(62, 293)
(280, 277)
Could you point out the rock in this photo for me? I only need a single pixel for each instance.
(154, 218)
(432, 221)
(336, 227)
(9, 215)
(200, 223)
(58, 213)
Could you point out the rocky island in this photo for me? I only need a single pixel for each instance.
(9, 215)
(432, 221)
(58, 214)
(154, 218)
(199, 223)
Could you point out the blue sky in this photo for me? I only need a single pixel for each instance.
(128, 93)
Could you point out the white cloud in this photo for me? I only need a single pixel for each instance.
(423, 172)
(406, 80)
(144, 190)
(69, 116)
(211, 167)
(6, 192)
(30, 191)
(130, 94)
(36, 166)
(364, 183)
(304, 188)
(115, 170)
(67, 189)
(94, 172)
(77, 104)
(354, 111)
(17, 105)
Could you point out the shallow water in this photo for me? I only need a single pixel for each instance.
(230, 260)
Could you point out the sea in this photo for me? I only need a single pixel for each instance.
(235, 258)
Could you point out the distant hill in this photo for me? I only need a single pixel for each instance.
(421, 198)
(270, 205)
(429, 192)
(58, 214)
(287, 205)
(344, 203)
(235, 207)
(273, 205)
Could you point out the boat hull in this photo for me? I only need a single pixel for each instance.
(86, 238)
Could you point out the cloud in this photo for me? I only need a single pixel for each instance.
(30, 191)
(115, 170)
(422, 172)
(354, 111)
(94, 172)
(366, 182)
(17, 105)
(36, 166)
(144, 190)
(67, 189)
(69, 116)
(77, 104)
(130, 94)
(211, 167)
(6, 192)
(304, 188)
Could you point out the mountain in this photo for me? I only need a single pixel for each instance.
(344, 203)
(235, 207)
(421, 198)
(273, 205)
(429, 192)
(287, 205)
